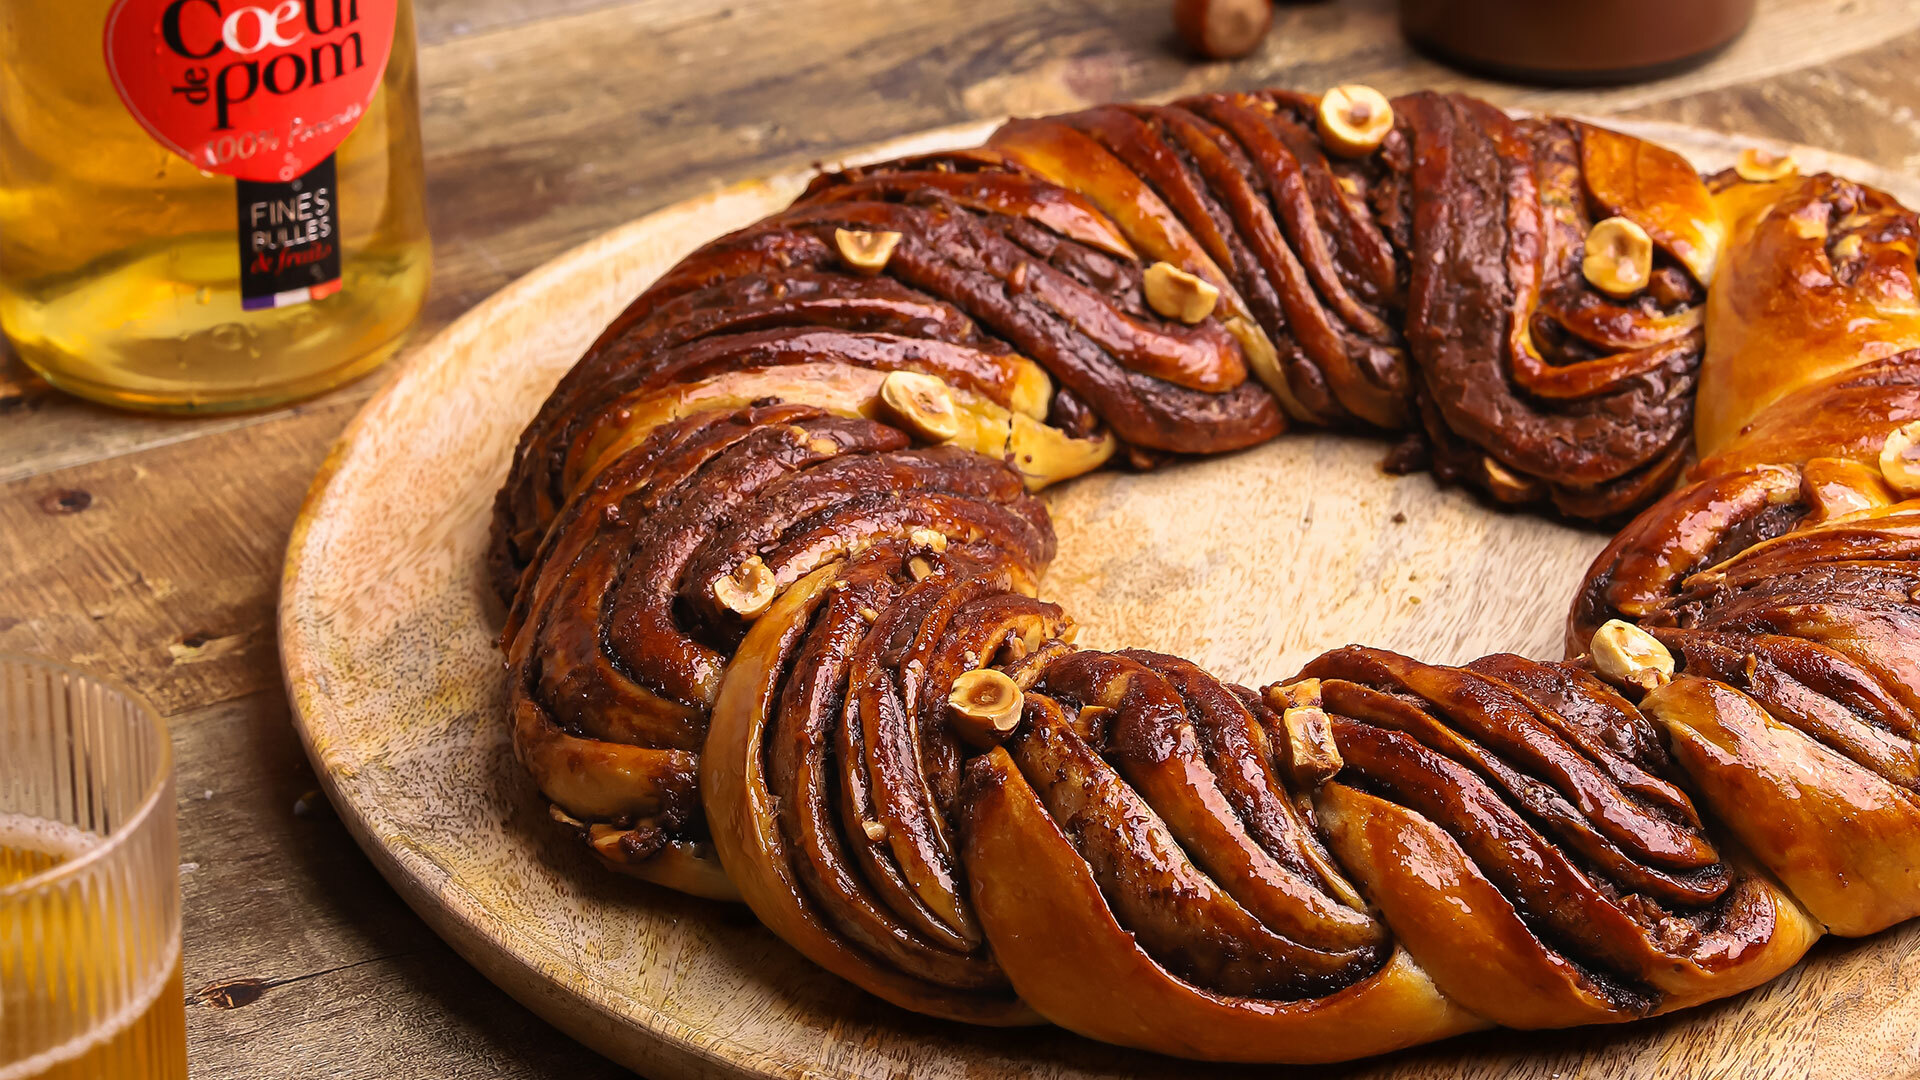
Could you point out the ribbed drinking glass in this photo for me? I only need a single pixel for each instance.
(90, 983)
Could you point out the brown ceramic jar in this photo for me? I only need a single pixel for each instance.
(1567, 43)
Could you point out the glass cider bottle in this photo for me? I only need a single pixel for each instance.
(208, 205)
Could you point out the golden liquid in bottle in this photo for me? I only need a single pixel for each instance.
(119, 266)
(144, 1041)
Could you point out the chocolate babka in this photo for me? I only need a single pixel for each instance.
(773, 559)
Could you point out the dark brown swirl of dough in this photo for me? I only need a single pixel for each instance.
(1010, 290)
(1235, 189)
(1534, 385)
(1796, 709)
(617, 645)
(1532, 796)
(1435, 286)
(1781, 588)
(1147, 873)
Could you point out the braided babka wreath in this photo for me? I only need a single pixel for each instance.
(773, 553)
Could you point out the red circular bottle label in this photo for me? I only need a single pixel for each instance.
(260, 91)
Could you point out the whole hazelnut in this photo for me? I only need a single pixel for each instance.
(1222, 29)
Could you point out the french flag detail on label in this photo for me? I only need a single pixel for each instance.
(290, 297)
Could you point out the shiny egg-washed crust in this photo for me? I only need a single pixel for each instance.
(773, 558)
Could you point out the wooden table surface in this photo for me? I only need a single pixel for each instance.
(150, 548)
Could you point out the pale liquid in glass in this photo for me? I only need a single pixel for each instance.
(147, 1041)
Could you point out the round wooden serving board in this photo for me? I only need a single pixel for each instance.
(1249, 564)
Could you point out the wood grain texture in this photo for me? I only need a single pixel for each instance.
(300, 962)
(172, 594)
(387, 640)
(825, 74)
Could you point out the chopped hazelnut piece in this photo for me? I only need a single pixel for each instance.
(1312, 756)
(1619, 258)
(1090, 720)
(1507, 485)
(1176, 294)
(985, 706)
(1354, 120)
(866, 252)
(922, 404)
(1900, 460)
(1626, 655)
(1808, 227)
(930, 539)
(609, 841)
(1304, 692)
(748, 591)
(1760, 167)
